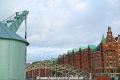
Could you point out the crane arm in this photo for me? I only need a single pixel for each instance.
(18, 20)
(14, 22)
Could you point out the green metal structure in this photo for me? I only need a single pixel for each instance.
(12, 48)
(61, 70)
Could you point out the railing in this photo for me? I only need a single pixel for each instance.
(61, 78)
(65, 70)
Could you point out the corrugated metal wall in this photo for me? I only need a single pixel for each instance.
(12, 59)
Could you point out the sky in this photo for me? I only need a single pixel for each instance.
(55, 26)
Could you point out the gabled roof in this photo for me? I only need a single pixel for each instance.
(6, 33)
(53, 60)
(82, 47)
(70, 51)
(92, 46)
(103, 39)
(97, 48)
(75, 49)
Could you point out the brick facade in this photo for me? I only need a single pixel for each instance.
(103, 58)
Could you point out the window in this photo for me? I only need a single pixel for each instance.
(107, 64)
(114, 64)
(97, 60)
(110, 59)
(111, 65)
(111, 70)
(110, 54)
(102, 70)
(96, 71)
(96, 65)
(109, 39)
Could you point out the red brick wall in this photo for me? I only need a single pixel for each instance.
(77, 59)
(103, 77)
(86, 59)
(35, 73)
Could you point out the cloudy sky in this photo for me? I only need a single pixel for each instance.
(54, 26)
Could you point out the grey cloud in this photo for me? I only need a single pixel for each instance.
(63, 24)
(36, 53)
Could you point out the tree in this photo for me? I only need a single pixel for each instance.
(118, 71)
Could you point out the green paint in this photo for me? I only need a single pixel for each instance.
(75, 49)
(92, 46)
(109, 26)
(103, 39)
(70, 51)
(82, 47)
(18, 19)
(53, 60)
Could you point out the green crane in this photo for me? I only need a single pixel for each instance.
(13, 48)
(15, 20)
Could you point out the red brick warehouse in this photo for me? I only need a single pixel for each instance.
(103, 58)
